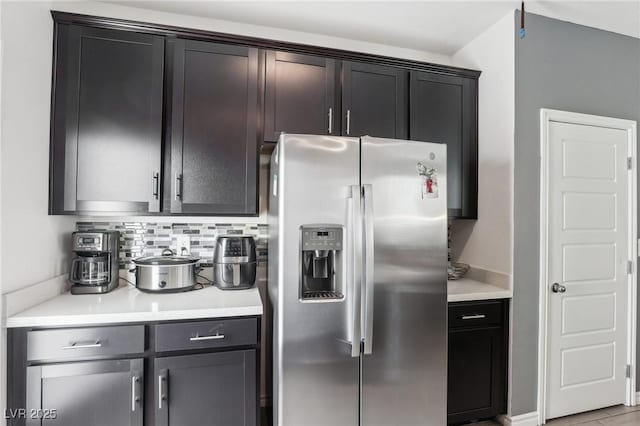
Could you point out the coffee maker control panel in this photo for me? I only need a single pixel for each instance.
(322, 238)
(89, 241)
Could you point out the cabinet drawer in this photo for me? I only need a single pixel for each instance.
(206, 334)
(474, 314)
(85, 342)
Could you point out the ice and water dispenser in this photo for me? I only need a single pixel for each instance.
(321, 262)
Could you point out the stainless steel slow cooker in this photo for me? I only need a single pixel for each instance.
(166, 273)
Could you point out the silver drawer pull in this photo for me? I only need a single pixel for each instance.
(80, 345)
(199, 338)
(134, 396)
(161, 394)
(476, 316)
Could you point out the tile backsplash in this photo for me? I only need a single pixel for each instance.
(151, 238)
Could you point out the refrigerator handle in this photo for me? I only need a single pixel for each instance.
(368, 269)
(354, 270)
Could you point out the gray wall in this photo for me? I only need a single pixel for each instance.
(568, 67)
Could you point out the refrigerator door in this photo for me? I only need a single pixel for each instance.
(404, 320)
(316, 339)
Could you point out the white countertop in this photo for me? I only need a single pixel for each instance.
(127, 304)
(466, 289)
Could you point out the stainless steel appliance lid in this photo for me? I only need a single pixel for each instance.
(165, 260)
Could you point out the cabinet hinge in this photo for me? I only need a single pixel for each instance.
(628, 371)
(629, 163)
(629, 267)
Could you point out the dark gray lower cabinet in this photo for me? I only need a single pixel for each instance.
(175, 373)
(95, 393)
(477, 360)
(217, 389)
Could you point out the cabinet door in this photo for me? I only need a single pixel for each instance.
(476, 382)
(95, 393)
(300, 95)
(215, 389)
(107, 121)
(214, 137)
(374, 101)
(444, 109)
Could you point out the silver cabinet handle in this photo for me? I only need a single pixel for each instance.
(155, 185)
(178, 184)
(161, 395)
(368, 268)
(197, 338)
(348, 122)
(558, 288)
(80, 345)
(134, 393)
(330, 120)
(355, 275)
(474, 316)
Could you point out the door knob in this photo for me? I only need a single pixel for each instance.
(557, 288)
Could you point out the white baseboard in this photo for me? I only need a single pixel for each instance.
(527, 419)
(637, 398)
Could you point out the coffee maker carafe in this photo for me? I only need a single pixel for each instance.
(94, 268)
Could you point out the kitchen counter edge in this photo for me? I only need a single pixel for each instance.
(123, 305)
(465, 289)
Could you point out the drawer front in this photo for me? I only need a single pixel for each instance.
(75, 343)
(206, 334)
(475, 314)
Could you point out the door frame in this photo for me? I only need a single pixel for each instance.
(546, 117)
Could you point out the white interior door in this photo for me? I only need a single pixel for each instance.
(587, 257)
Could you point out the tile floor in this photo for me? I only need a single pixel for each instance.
(612, 416)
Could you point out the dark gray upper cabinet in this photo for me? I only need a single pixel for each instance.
(374, 100)
(214, 134)
(300, 95)
(107, 121)
(216, 389)
(155, 119)
(444, 109)
(95, 393)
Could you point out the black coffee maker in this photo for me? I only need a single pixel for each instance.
(94, 269)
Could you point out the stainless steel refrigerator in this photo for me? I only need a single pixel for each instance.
(358, 281)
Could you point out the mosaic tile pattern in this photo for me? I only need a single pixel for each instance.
(139, 239)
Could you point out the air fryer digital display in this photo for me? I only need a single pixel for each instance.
(235, 248)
